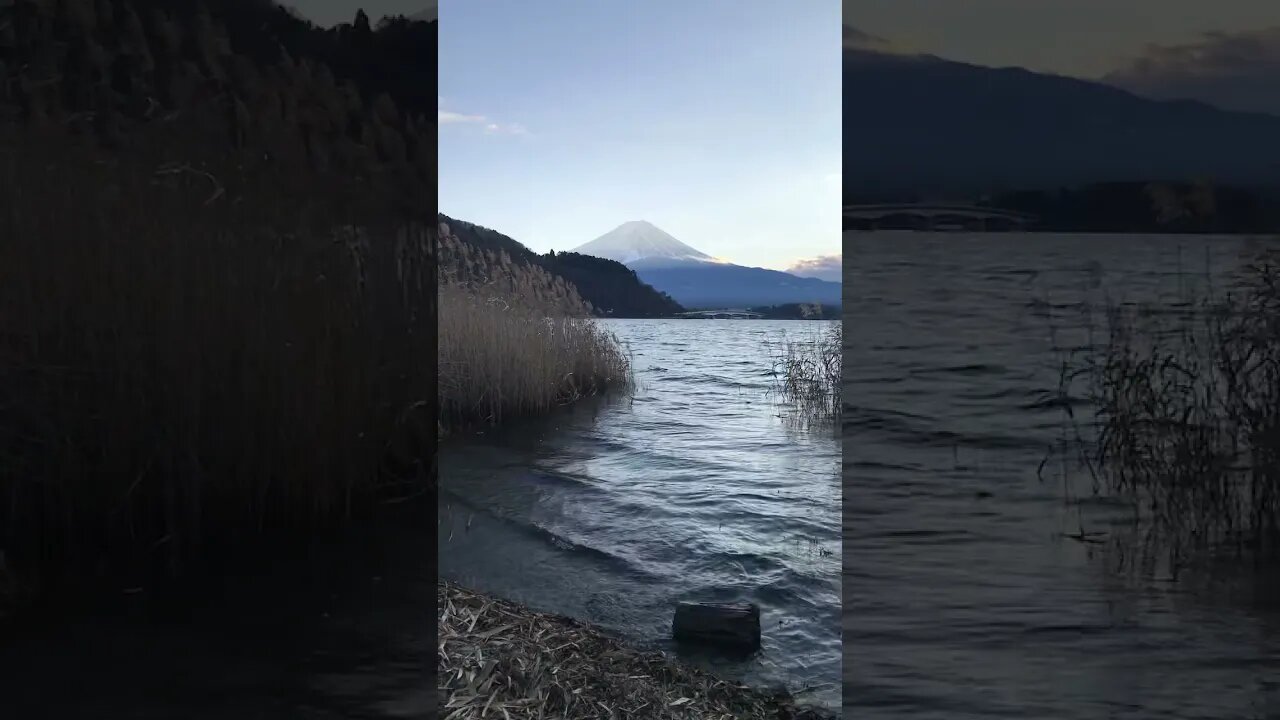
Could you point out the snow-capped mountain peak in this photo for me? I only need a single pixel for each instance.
(641, 240)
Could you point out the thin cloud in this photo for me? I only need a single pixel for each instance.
(823, 267)
(499, 129)
(861, 42)
(1233, 71)
(489, 126)
(855, 39)
(445, 117)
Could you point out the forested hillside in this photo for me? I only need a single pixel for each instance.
(608, 288)
(196, 80)
(613, 288)
(499, 277)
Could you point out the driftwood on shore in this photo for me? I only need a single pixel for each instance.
(730, 627)
(498, 659)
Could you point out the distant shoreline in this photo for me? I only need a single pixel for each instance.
(1124, 207)
(787, 311)
(1260, 235)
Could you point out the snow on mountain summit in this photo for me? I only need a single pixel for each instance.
(640, 240)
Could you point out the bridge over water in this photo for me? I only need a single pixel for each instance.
(728, 314)
(934, 217)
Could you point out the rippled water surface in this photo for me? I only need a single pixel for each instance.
(696, 489)
(962, 598)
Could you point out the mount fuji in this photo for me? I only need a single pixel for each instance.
(697, 280)
(640, 240)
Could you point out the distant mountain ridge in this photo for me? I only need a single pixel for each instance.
(929, 125)
(695, 279)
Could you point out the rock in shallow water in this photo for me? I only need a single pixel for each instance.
(727, 626)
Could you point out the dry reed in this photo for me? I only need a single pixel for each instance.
(502, 358)
(807, 374)
(497, 659)
(1187, 425)
(175, 360)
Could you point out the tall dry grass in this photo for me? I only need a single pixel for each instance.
(501, 358)
(188, 354)
(1187, 425)
(807, 375)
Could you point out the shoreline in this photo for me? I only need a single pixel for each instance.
(498, 658)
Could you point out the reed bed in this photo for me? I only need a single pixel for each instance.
(1187, 425)
(501, 357)
(187, 353)
(498, 659)
(807, 375)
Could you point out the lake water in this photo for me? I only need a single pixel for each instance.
(695, 489)
(962, 598)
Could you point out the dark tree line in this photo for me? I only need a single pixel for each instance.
(1137, 206)
(1196, 207)
(799, 311)
(206, 79)
(612, 287)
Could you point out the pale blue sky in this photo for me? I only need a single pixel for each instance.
(716, 120)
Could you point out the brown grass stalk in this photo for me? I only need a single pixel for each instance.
(501, 357)
(175, 360)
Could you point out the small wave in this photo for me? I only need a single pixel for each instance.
(613, 561)
(744, 565)
(576, 481)
(974, 369)
(532, 529)
(794, 589)
(859, 464)
(922, 434)
(1069, 628)
(877, 412)
(1053, 401)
